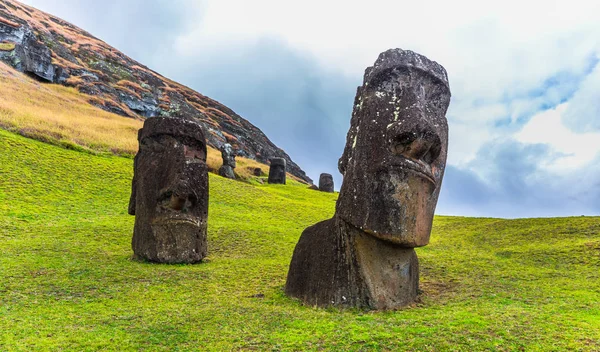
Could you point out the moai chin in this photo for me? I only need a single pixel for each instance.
(169, 195)
(393, 164)
(277, 171)
(226, 170)
(326, 183)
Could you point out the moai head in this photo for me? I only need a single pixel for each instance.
(277, 171)
(170, 192)
(326, 183)
(396, 148)
(226, 170)
(228, 155)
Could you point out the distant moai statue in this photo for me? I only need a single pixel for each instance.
(393, 164)
(277, 171)
(226, 170)
(169, 194)
(326, 183)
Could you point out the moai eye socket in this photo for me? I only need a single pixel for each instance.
(157, 143)
(421, 144)
(194, 150)
(401, 144)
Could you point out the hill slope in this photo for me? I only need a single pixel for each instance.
(53, 50)
(60, 115)
(67, 280)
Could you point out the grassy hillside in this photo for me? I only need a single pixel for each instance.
(54, 50)
(67, 280)
(61, 116)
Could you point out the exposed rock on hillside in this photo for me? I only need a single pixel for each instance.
(56, 51)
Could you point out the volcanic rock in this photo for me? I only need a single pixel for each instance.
(393, 164)
(277, 171)
(326, 183)
(228, 156)
(169, 195)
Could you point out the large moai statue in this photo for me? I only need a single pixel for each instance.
(326, 183)
(277, 171)
(393, 165)
(226, 170)
(169, 196)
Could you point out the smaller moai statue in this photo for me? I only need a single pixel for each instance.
(226, 170)
(277, 171)
(169, 194)
(326, 183)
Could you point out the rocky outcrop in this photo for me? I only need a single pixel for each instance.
(56, 51)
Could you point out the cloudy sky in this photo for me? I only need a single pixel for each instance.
(525, 78)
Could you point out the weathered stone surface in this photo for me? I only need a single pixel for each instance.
(277, 171)
(51, 49)
(228, 155)
(326, 183)
(226, 170)
(169, 195)
(29, 56)
(257, 171)
(393, 164)
(336, 264)
(313, 187)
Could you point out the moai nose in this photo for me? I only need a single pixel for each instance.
(177, 202)
(414, 140)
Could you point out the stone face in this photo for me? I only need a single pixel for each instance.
(277, 171)
(228, 155)
(226, 170)
(326, 183)
(395, 152)
(393, 164)
(169, 195)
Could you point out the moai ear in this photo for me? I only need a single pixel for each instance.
(352, 132)
(131, 209)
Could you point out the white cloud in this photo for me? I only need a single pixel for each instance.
(576, 149)
(583, 113)
(496, 53)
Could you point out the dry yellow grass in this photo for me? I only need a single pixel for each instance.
(6, 46)
(62, 115)
(244, 167)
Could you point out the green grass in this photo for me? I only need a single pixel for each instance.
(67, 280)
